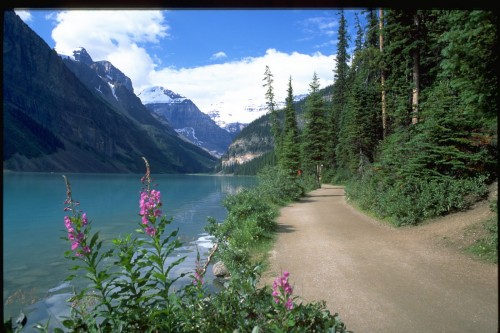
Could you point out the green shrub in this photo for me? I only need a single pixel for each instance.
(243, 307)
(412, 200)
(278, 187)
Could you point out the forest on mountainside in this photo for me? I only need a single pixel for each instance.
(411, 127)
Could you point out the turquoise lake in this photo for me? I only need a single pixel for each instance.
(34, 266)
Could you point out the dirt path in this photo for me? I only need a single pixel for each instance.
(381, 279)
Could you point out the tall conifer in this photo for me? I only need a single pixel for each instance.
(361, 127)
(290, 153)
(314, 133)
(271, 109)
(339, 92)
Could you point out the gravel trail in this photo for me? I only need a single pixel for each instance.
(382, 279)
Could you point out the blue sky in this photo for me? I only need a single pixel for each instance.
(216, 58)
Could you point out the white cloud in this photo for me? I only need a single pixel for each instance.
(239, 83)
(24, 15)
(113, 35)
(121, 37)
(218, 55)
(321, 25)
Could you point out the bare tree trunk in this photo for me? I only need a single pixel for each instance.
(416, 76)
(382, 74)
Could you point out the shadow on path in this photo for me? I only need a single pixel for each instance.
(285, 228)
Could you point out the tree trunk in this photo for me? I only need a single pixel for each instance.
(382, 74)
(416, 75)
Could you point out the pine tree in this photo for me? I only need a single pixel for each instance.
(290, 153)
(461, 108)
(471, 59)
(273, 114)
(410, 60)
(339, 92)
(358, 43)
(315, 131)
(382, 73)
(397, 68)
(360, 129)
(440, 162)
(372, 31)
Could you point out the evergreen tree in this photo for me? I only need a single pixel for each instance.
(372, 32)
(471, 59)
(460, 118)
(439, 163)
(358, 43)
(397, 68)
(383, 102)
(339, 92)
(361, 126)
(289, 160)
(273, 114)
(410, 60)
(314, 133)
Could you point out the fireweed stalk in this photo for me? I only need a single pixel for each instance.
(134, 292)
(149, 204)
(86, 248)
(282, 296)
(154, 224)
(76, 225)
(199, 271)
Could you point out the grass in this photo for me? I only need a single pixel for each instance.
(485, 248)
(260, 252)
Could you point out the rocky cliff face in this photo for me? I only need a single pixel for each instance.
(185, 117)
(110, 84)
(54, 122)
(253, 141)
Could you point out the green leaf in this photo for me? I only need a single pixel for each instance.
(160, 276)
(69, 323)
(94, 239)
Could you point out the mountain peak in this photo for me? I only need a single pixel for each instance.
(81, 55)
(110, 73)
(160, 95)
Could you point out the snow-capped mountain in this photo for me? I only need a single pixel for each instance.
(187, 120)
(156, 95)
(248, 113)
(61, 115)
(234, 128)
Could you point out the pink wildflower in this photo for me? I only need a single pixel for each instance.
(149, 203)
(198, 278)
(198, 272)
(151, 231)
(282, 291)
(76, 234)
(75, 225)
(289, 304)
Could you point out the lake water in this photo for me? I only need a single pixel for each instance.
(34, 267)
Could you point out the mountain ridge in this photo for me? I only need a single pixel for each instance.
(54, 122)
(187, 119)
